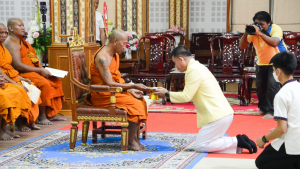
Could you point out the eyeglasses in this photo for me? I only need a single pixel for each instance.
(1, 33)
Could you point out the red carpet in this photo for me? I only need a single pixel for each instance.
(253, 126)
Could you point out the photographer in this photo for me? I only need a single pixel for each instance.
(267, 39)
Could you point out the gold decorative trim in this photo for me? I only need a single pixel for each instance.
(72, 49)
(140, 18)
(124, 152)
(124, 138)
(129, 15)
(73, 135)
(56, 39)
(74, 122)
(85, 129)
(119, 90)
(119, 14)
(172, 13)
(185, 15)
(113, 99)
(83, 144)
(69, 16)
(125, 124)
(94, 118)
(76, 40)
(71, 150)
(178, 12)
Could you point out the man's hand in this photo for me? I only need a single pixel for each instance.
(161, 92)
(260, 142)
(257, 30)
(136, 93)
(25, 80)
(2, 81)
(141, 87)
(45, 73)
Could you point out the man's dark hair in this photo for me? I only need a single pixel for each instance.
(181, 50)
(262, 16)
(286, 61)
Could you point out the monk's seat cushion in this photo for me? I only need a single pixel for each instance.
(85, 109)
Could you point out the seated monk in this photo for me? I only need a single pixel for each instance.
(24, 60)
(25, 122)
(105, 71)
(12, 103)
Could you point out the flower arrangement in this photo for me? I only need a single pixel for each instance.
(35, 34)
(111, 27)
(177, 29)
(132, 41)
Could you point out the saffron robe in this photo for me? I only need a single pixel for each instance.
(5, 64)
(52, 94)
(12, 102)
(136, 108)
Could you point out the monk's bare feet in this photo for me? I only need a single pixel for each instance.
(12, 134)
(134, 146)
(57, 118)
(44, 121)
(34, 126)
(4, 136)
(268, 116)
(259, 113)
(143, 148)
(21, 125)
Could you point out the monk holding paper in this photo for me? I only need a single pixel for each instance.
(25, 122)
(25, 61)
(105, 71)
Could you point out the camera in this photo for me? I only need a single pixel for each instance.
(250, 28)
(43, 9)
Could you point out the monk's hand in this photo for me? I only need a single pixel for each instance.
(161, 92)
(141, 87)
(2, 81)
(260, 142)
(25, 88)
(136, 93)
(25, 80)
(45, 73)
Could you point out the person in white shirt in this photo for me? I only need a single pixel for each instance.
(100, 32)
(284, 152)
(214, 113)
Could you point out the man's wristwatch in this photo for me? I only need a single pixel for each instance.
(167, 94)
(264, 139)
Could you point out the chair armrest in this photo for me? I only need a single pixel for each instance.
(104, 88)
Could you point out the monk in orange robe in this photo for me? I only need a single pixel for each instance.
(12, 104)
(27, 64)
(25, 122)
(105, 71)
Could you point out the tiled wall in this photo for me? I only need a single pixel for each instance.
(23, 9)
(158, 15)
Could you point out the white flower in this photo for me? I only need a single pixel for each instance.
(134, 33)
(133, 48)
(35, 35)
(29, 40)
(34, 28)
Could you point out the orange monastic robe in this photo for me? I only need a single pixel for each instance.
(52, 94)
(136, 108)
(32, 110)
(12, 102)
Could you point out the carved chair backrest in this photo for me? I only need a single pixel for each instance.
(292, 41)
(77, 66)
(231, 54)
(156, 53)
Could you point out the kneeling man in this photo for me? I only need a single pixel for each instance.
(214, 113)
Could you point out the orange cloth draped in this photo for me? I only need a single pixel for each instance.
(6, 67)
(52, 94)
(136, 108)
(12, 102)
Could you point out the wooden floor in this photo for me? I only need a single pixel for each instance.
(25, 136)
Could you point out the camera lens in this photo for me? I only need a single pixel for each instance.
(250, 30)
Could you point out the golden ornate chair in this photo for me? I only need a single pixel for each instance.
(81, 111)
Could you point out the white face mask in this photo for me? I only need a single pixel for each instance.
(276, 77)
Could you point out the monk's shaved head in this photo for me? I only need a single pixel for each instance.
(12, 21)
(1, 24)
(117, 34)
(3, 33)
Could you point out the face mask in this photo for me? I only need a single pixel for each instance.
(275, 76)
